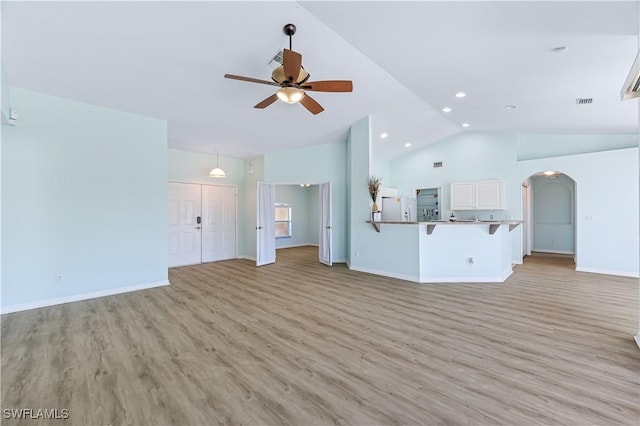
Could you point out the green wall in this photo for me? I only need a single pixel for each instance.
(84, 201)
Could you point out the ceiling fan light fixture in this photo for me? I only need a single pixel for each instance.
(290, 95)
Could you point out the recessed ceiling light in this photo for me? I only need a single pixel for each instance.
(460, 95)
(446, 109)
(384, 135)
(559, 49)
(465, 124)
(509, 107)
(407, 144)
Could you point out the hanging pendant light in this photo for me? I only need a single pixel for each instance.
(217, 172)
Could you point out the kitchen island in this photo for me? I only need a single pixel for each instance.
(443, 251)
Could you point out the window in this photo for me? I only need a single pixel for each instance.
(283, 220)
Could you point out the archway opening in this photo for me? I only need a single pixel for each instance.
(549, 212)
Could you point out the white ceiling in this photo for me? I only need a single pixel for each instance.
(407, 59)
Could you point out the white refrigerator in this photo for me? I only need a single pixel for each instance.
(399, 209)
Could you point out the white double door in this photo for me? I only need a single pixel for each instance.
(202, 223)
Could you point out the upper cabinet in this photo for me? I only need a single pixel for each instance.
(463, 196)
(480, 195)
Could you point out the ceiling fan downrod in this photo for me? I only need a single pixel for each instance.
(289, 30)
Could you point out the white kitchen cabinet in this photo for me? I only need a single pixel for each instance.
(463, 196)
(480, 195)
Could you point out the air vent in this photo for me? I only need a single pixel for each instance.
(583, 101)
(437, 164)
(276, 60)
(631, 88)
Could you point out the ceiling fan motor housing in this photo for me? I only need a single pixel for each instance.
(278, 75)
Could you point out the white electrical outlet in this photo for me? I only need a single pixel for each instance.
(357, 253)
(471, 260)
(58, 278)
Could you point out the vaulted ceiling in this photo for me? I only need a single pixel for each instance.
(406, 59)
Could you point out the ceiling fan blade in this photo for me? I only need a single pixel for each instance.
(265, 103)
(291, 62)
(249, 79)
(309, 103)
(328, 86)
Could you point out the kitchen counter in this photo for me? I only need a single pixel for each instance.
(444, 251)
(493, 224)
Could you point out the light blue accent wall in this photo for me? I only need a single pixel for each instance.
(607, 213)
(465, 157)
(84, 191)
(316, 164)
(553, 214)
(382, 169)
(304, 224)
(365, 250)
(192, 167)
(532, 146)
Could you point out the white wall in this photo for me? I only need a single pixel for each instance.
(84, 192)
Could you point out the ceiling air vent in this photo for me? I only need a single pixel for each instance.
(276, 60)
(631, 87)
(584, 101)
(437, 164)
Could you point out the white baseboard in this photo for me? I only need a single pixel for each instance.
(517, 261)
(552, 251)
(296, 245)
(253, 259)
(386, 274)
(496, 279)
(637, 339)
(608, 272)
(83, 296)
(340, 260)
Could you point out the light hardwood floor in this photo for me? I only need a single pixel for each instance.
(303, 344)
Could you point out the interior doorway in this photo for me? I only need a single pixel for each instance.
(294, 215)
(202, 223)
(549, 212)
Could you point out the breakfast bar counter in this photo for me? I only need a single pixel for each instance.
(446, 251)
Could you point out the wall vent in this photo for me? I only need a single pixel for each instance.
(437, 164)
(583, 101)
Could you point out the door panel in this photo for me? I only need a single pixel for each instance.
(184, 231)
(219, 223)
(325, 242)
(265, 229)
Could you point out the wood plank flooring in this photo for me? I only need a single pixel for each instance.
(299, 343)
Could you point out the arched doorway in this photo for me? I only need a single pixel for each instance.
(549, 210)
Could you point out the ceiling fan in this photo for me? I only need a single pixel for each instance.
(292, 79)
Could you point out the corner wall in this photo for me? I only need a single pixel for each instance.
(316, 164)
(607, 211)
(84, 210)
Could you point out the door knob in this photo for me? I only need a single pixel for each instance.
(329, 227)
(198, 227)
(258, 227)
